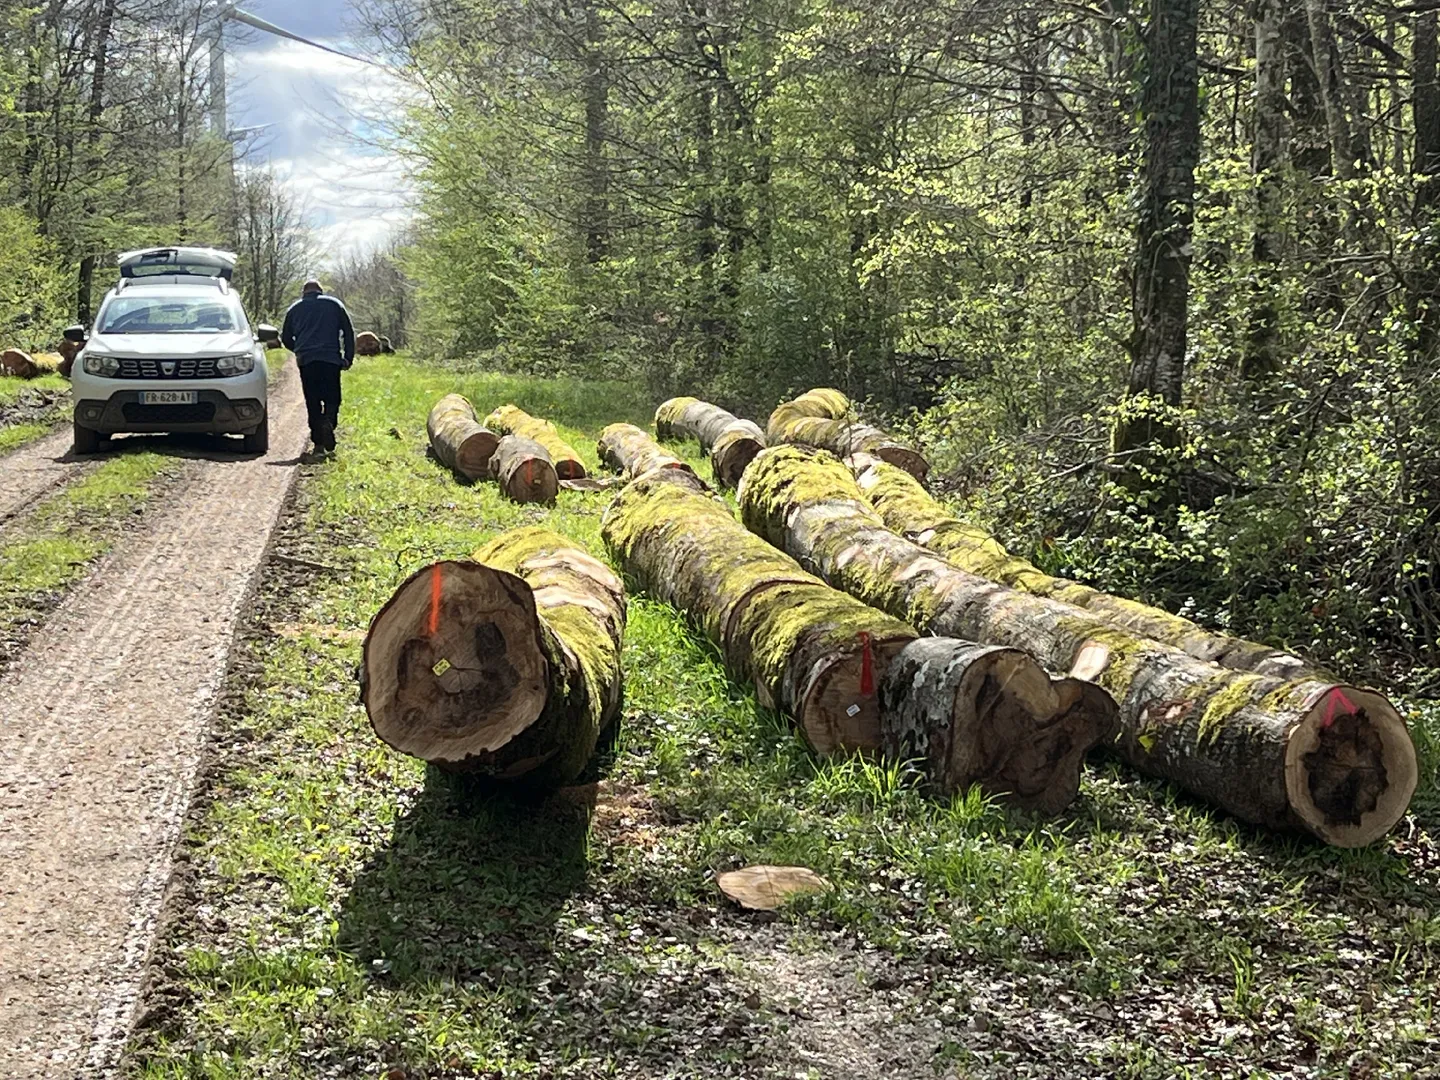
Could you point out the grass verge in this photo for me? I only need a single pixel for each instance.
(344, 913)
(30, 408)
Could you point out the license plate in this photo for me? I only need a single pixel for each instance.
(168, 397)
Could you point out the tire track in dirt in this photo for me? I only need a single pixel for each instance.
(101, 727)
(30, 471)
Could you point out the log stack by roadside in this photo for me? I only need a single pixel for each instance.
(457, 439)
(730, 442)
(507, 665)
(1311, 754)
(836, 665)
(825, 419)
(509, 420)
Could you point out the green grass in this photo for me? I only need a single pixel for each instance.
(31, 424)
(350, 914)
(53, 546)
(11, 389)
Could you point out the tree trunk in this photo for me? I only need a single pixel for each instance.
(1170, 104)
(730, 442)
(524, 471)
(628, 450)
(989, 715)
(508, 665)
(909, 510)
(1333, 760)
(597, 104)
(825, 419)
(458, 440)
(508, 420)
(1267, 164)
(1425, 281)
(813, 653)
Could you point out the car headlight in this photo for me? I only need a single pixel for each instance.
(239, 364)
(101, 365)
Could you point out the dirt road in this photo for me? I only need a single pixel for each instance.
(34, 469)
(101, 727)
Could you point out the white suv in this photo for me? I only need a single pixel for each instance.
(172, 351)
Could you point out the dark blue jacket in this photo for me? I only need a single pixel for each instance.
(314, 328)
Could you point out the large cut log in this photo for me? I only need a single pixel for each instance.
(730, 441)
(628, 450)
(812, 653)
(1331, 759)
(825, 419)
(990, 715)
(458, 440)
(507, 665)
(523, 470)
(24, 366)
(367, 343)
(508, 420)
(909, 509)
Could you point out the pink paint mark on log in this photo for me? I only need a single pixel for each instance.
(1336, 696)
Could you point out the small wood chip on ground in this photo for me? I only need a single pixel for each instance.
(766, 888)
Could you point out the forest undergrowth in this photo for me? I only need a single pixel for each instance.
(341, 911)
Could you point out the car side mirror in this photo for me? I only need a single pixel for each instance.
(267, 335)
(75, 333)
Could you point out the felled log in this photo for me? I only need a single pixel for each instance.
(508, 420)
(523, 470)
(458, 440)
(909, 509)
(1331, 759)
(825, 419)
(990, 715)
(812, 653)
(628, 450)
(367, 343)
(22, 365)
(730, 441)
(507, 665)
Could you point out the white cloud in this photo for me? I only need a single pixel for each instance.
(330, 138)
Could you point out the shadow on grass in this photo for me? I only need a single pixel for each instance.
(471, 884)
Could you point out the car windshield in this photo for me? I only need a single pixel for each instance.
(169, 315)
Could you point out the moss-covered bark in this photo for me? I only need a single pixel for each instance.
(509, 420)
(730, 442)
(909, 509)
(628, 450)
(1333, 760)
(523, 469)
(457, 439)
(507, 665)
(812, 652)
(826, 420)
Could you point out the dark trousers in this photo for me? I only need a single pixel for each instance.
(321, 383)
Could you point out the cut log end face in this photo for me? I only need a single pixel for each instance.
(903, 457)
(841, 704)
(454, 664)
(1350, 767)
(766, 888)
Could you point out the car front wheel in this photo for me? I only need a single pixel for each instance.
(86, 440)
(258, 441)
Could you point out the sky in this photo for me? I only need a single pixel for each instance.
(320, 108)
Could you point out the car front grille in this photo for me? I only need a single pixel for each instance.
(192, 368)
(135, 413)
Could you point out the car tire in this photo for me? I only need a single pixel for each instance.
(258, 441)
(87, 441)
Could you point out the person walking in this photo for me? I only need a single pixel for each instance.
(318, 331)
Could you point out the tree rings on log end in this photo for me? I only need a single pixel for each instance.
(839, 709)
(766, 888)
(454, 664)
(732, 452)
(1350, 766)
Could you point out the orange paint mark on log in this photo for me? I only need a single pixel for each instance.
(436, 588)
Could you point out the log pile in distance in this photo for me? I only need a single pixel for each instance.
(908, 509)
(509, 420)
(457, 439)
(730, 442)
(826, 420)
(1311, 754)
(506, 664)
